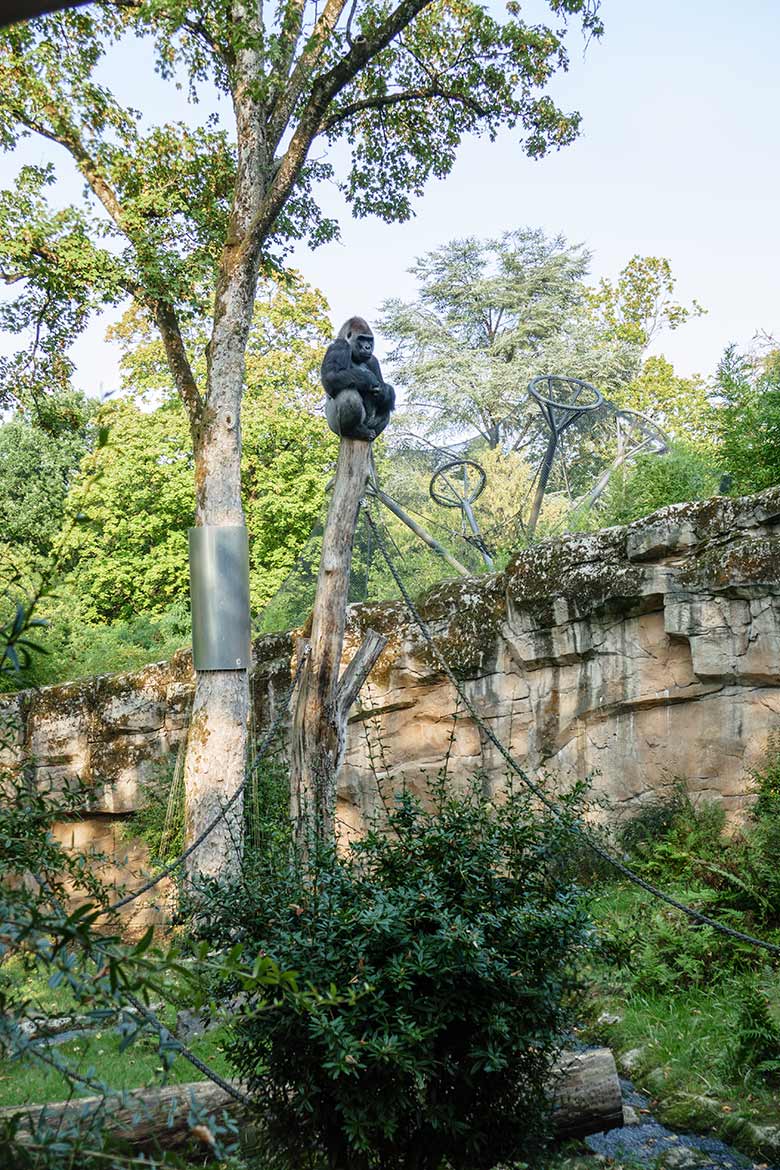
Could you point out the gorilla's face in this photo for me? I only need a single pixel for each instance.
(362, 346)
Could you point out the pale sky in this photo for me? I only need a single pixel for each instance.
(679, 156)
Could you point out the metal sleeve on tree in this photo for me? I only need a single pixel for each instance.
(219, 593)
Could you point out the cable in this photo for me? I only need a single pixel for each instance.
(182, 1050)
(164, 1033)
(552, 807)
(179, 861)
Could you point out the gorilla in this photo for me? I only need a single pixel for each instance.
(359, 401)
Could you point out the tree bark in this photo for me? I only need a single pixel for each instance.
(586, 1099)
(319, 722)
(218, 736)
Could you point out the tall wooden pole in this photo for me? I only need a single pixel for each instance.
(319, 722)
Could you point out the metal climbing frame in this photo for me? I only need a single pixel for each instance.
(457, 484)
(561, 401)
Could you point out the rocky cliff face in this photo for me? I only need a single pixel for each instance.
(637, 655)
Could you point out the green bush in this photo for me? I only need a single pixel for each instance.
(73, 648)
(755, 1049)
(654, 481)
(451, 938)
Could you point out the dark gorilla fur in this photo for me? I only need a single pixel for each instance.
(359, 401)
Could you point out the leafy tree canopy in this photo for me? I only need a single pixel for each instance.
(748, 417)
(640, 303)
(39, 457)
(681, 406)
(129, 548)
(402, 85)
(490, 315)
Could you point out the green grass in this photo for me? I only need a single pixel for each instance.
(33, 1083)
(96, 1053)
(32, 983)
(683, 1039)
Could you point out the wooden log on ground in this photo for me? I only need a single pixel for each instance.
(141, 1117)
(587, 1099)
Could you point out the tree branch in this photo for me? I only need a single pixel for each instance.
(358, 671)
(196, 27)
(178, 363)
(304, 66)
(164, 313)
(324, 89)
(292, 26)
(394, 99)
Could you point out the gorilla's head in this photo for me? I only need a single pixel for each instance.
(361, 340)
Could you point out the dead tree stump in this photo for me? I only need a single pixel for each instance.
(319, 724)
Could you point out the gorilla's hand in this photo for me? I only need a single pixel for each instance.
(365, 379)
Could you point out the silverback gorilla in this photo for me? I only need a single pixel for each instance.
(359, 401)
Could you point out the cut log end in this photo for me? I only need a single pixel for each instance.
(587, 1097)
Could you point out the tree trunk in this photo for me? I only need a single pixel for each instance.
(217, 740)
(319, 722)
(586, 1099)
(218, 736)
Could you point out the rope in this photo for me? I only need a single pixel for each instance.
(182, 1050)
(179, 861)
(163, 1032)
(549, 804)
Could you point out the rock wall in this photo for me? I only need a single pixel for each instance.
(637, 655)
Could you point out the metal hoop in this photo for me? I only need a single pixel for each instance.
(454, 500)
(574, 407)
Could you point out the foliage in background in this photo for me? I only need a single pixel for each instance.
(38, 462)
(748, 418)
(652, 482)
(680, 406)
(453, 933)
(128, 552)
(490, 315)
(124, 602)
(640, 304)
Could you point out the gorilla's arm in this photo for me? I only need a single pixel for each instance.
(384, 394)
(339, 372)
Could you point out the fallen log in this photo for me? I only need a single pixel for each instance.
(586, 1099)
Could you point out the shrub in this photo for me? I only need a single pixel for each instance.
(730, 876)
(450, 938)
(654, 481)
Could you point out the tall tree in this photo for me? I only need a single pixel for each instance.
(176, 213)
(490, 315)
